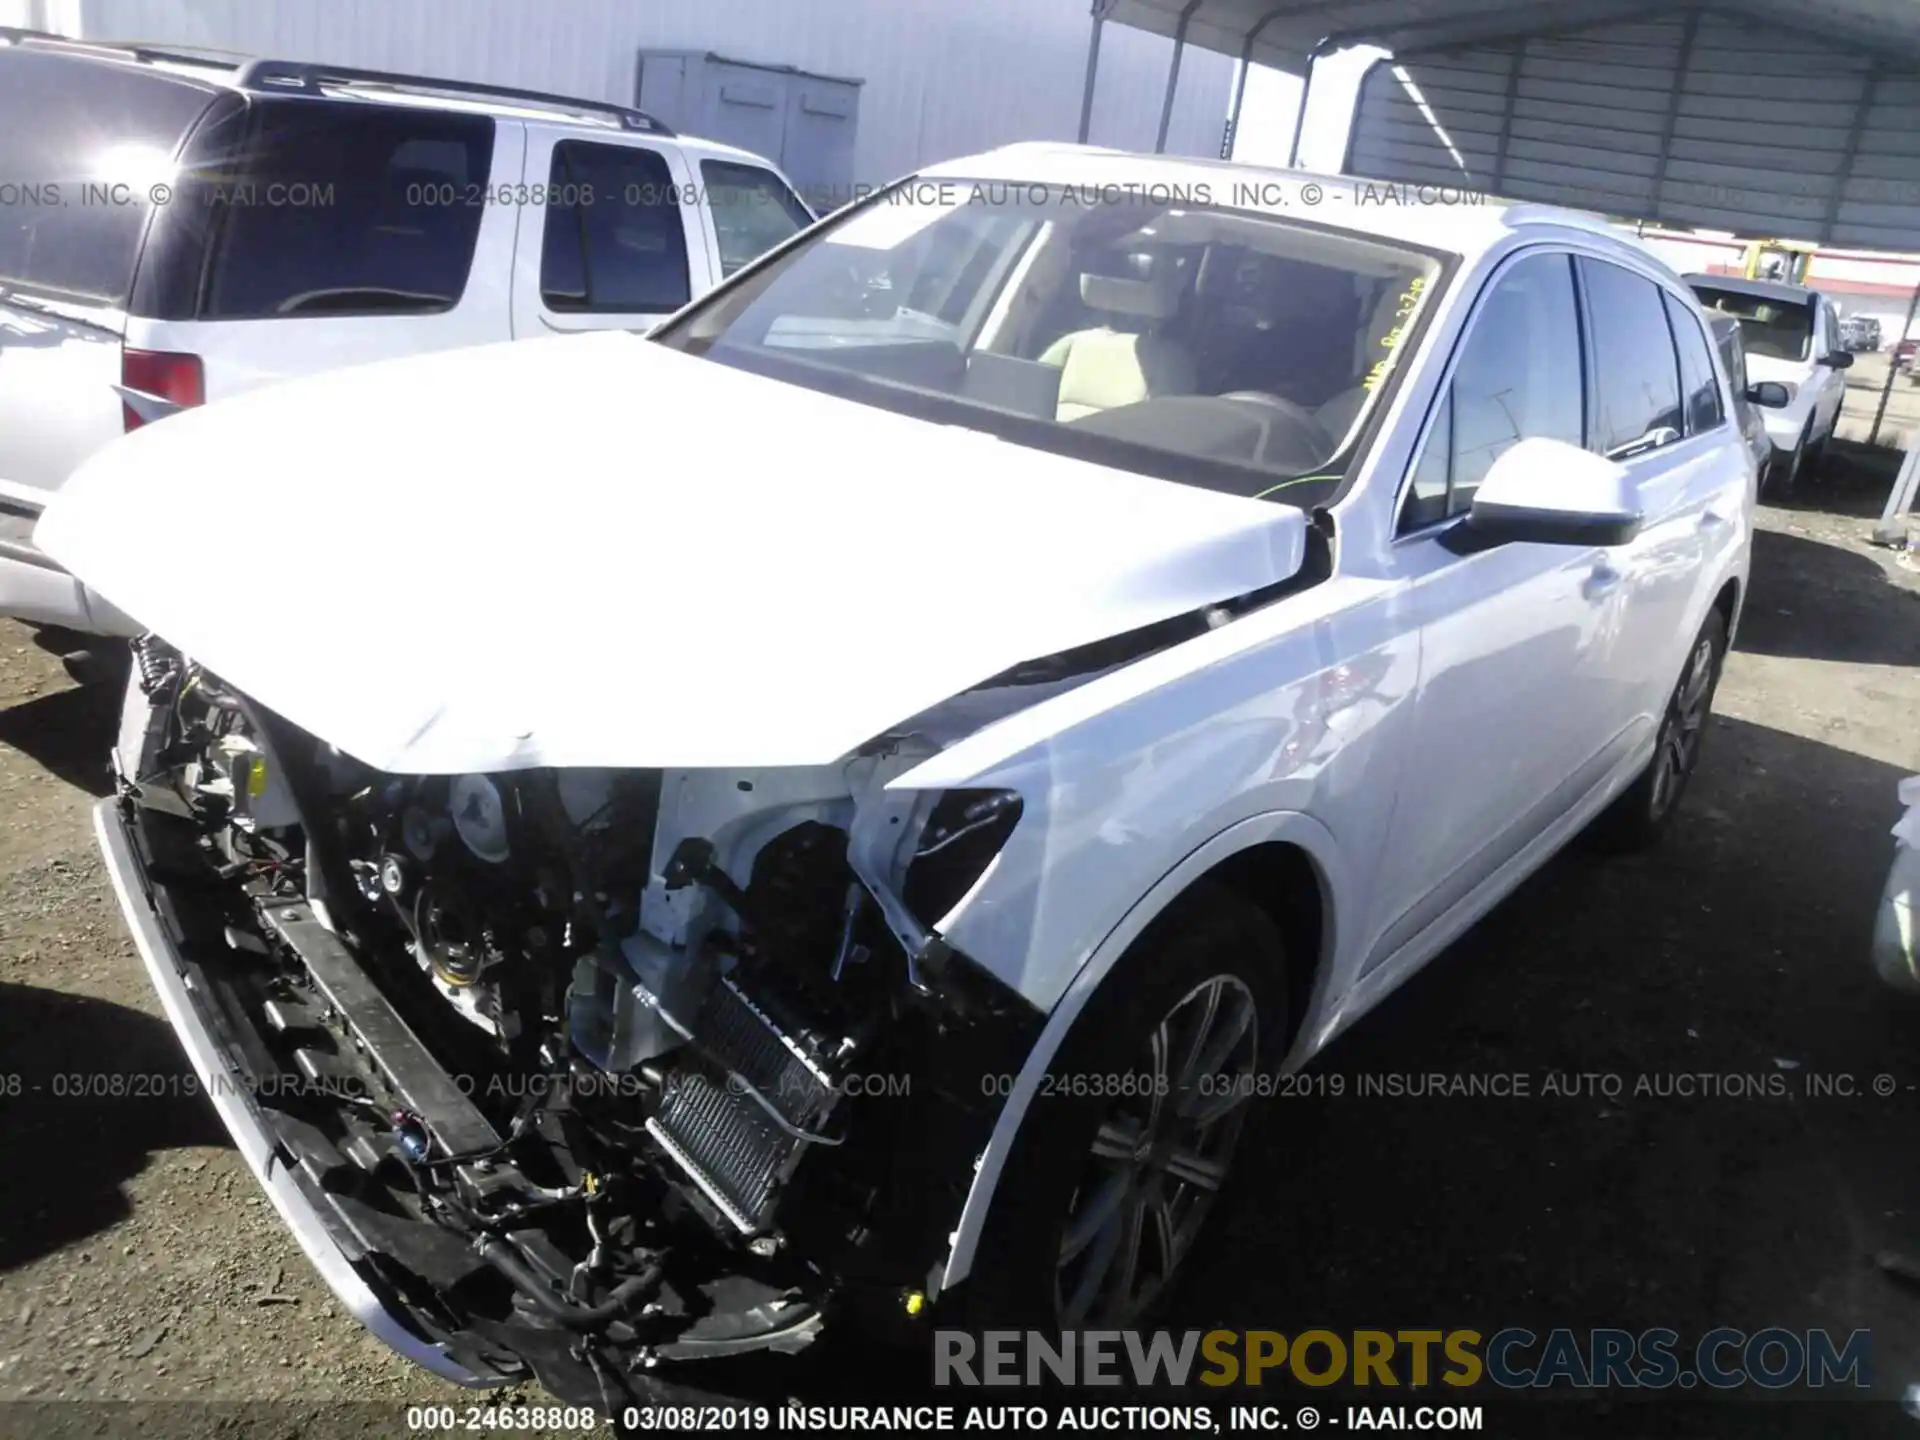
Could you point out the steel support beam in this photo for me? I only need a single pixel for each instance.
(1886, 390)
(1300, 111)
(1515, 62)
(1670, 124)
(1892, 529)
(1535, 19)
(1869, 95)
(1246, 63)
(1101, 9)
(1173, 74)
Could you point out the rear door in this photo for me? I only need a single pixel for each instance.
(1667, 424)
(311, 233)
(85, 146)
(611, 237)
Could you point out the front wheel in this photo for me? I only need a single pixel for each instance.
(1641, 815)
(1132, 1138)
(1783, 471)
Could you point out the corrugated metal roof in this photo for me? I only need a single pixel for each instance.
(1695, 118)
(1286, 31)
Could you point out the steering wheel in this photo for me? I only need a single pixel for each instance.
(1292, 422)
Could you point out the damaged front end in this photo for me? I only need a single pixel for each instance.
(573, 1072)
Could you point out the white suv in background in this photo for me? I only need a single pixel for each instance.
(186, 228)
(1791, 336)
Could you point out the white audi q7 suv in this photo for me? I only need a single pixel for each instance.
(829, 816)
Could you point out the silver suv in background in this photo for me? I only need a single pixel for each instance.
(176, 228)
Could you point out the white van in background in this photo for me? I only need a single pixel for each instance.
(184, 227)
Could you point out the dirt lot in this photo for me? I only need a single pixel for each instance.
(138, 1260)
(1865, 382)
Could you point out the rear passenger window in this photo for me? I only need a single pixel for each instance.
(1517, 378)
(752, 211)
(82, 146)
(342, 208)
(1697, 378)
(1637, 373)
(621, 245)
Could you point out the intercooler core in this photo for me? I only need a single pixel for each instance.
(741, 1106)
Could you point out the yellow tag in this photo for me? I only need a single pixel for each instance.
(257, 777)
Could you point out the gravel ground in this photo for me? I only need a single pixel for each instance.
(1866, 384)
(138, 1261)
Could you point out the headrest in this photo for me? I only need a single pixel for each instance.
(1155, 299)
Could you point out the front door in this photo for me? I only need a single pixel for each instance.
(611, 237)
(1511, 714)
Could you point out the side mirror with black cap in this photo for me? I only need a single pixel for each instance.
(1769, 394)
(1838, 360)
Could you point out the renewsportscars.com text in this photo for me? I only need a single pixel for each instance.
(1514, 1358)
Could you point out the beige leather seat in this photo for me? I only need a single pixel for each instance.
(1103, 368)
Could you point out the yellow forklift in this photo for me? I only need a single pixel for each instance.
(1782, 260)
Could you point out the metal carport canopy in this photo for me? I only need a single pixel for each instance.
(1790, 118)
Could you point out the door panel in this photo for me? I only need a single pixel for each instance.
(1505, 717)
(750, 109)
(822, 117)
(1645, 401)
(1510, 712)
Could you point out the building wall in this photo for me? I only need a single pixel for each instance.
(943, 77)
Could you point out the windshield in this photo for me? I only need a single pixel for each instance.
(1777, 329)
(1222, 349)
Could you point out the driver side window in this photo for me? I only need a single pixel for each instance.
(1517, 376)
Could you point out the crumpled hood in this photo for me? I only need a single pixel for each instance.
(595, 551)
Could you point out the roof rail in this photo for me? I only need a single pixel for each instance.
(282, 75)
(122, 49)
(1533, 212)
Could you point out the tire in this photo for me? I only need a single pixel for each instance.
(1642, 813)
(1788, 470)
(1086, 1177)
(1813, 467)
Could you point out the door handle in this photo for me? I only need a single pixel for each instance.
(1601, 582)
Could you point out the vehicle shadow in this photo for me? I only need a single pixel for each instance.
(1854, 479)
(88, 1090)
(1664, 1090)
(1824, 602)
(69, 732)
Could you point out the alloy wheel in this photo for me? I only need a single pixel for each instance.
(1159, 1157)
(1680, 729)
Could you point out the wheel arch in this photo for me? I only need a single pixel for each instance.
(1285, 863)
(1281, 880)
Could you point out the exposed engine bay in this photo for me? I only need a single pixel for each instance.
(600, 1068)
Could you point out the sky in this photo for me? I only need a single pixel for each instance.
(1273, 100)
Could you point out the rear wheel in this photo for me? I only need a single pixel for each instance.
(1641, 815)
(1130, 1142)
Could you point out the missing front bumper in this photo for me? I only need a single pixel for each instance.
(217, 1054)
